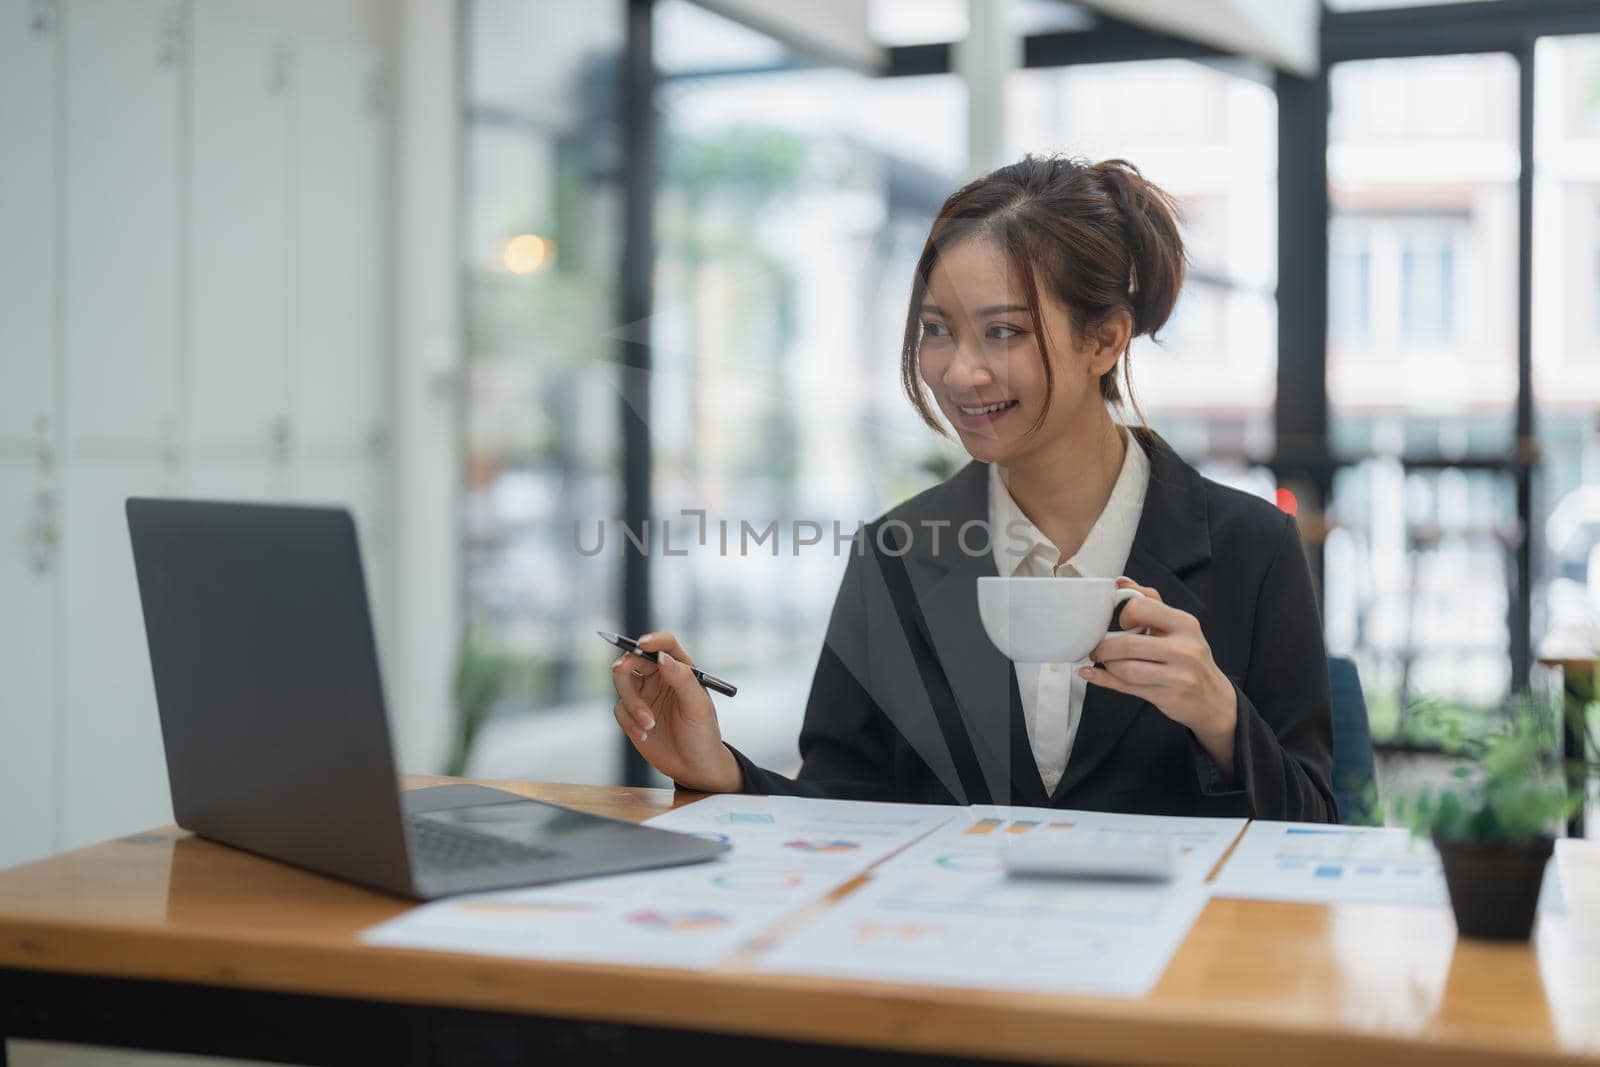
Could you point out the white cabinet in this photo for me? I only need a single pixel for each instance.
(340, 388)
(342, 254)
(124, 61)
(194, 198)
(238, 225)
(28, 631)
(121, 346)
(29, 52)
(115, 771)
(242, 478)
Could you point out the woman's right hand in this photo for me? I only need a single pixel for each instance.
(669, 717)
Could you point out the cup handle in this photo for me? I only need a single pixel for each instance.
(1122, 597)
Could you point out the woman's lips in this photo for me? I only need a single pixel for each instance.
(973, 417)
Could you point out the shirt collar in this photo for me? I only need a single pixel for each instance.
(1104, 552)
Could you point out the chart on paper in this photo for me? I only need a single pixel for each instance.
(787, 852)
(973, 841)
(987, 931)
(1319, 863)
(943, 911)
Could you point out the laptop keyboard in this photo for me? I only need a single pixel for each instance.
(435, 844)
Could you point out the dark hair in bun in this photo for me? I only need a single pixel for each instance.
(1100, 237)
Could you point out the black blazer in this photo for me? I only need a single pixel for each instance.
(911, 701)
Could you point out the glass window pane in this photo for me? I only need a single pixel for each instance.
(1418, 567)
(792, 211)
(1566, 338)
(1422, 318)
(1422, 170)
(1210, 139)
(541, 243)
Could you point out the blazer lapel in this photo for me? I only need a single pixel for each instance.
(1173, 538)
(1027, 785)
(946, 584)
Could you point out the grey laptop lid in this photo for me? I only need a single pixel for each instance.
(272, 709)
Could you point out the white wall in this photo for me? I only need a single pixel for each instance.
(195, 286)
(428, 380)
(29, 593)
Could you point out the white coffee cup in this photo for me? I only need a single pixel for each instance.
(1049, 619)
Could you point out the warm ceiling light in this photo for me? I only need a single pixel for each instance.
(526, 253)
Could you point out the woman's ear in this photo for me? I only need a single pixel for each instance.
(1111, 340)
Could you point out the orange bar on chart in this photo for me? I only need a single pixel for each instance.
(985, 826)
(1021, 826)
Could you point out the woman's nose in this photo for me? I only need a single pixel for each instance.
(967, 370)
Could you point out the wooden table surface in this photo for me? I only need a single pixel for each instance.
(1255, 983)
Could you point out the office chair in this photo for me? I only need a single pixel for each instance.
(1354, 778)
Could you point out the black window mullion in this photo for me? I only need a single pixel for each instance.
(1300, 407)
(639, 181)
(1520, 622)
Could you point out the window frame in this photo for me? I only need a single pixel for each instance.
(1304, 458)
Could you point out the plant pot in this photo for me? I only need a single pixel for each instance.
(1494, 885)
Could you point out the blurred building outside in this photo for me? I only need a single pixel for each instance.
(792, 206)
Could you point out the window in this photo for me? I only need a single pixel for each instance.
(541, 240)
(1208, 137)
(1427, 290)
(1420, 558)
(1566, 336)
(1422, 171)
(1350, 289)
(792, 209)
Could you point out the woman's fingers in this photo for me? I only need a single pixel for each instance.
(629, 724)
(1137, 677)
(632, 691)
(1150, 613)
(1150, 591)
(679, 677)
(1105, 679)
(1141, 674)
(665, 641)
(1131, 646)
(689, 697)
(641, 667)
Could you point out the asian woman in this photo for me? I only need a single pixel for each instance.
(1211, 699)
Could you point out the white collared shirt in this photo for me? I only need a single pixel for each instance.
(1052, 693)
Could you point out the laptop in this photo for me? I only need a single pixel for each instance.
(276, 733)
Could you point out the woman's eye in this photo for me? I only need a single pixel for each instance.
(934, 329)
(1001, 332)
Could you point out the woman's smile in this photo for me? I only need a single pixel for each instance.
(977, 417)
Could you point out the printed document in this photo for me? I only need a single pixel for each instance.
(945, 912)
(1326, 864)
(974, 838)
(984, 930)
(787, 852)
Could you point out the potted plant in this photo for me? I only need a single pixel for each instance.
(482, 670)
(1492, 824)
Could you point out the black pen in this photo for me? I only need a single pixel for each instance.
(710, 681)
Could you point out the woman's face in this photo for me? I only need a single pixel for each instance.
(979, 356)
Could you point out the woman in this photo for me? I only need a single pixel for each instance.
(1030, 288)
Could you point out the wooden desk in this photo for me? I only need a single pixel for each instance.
(163, 940)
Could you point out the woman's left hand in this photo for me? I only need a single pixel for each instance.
(1171, 667)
